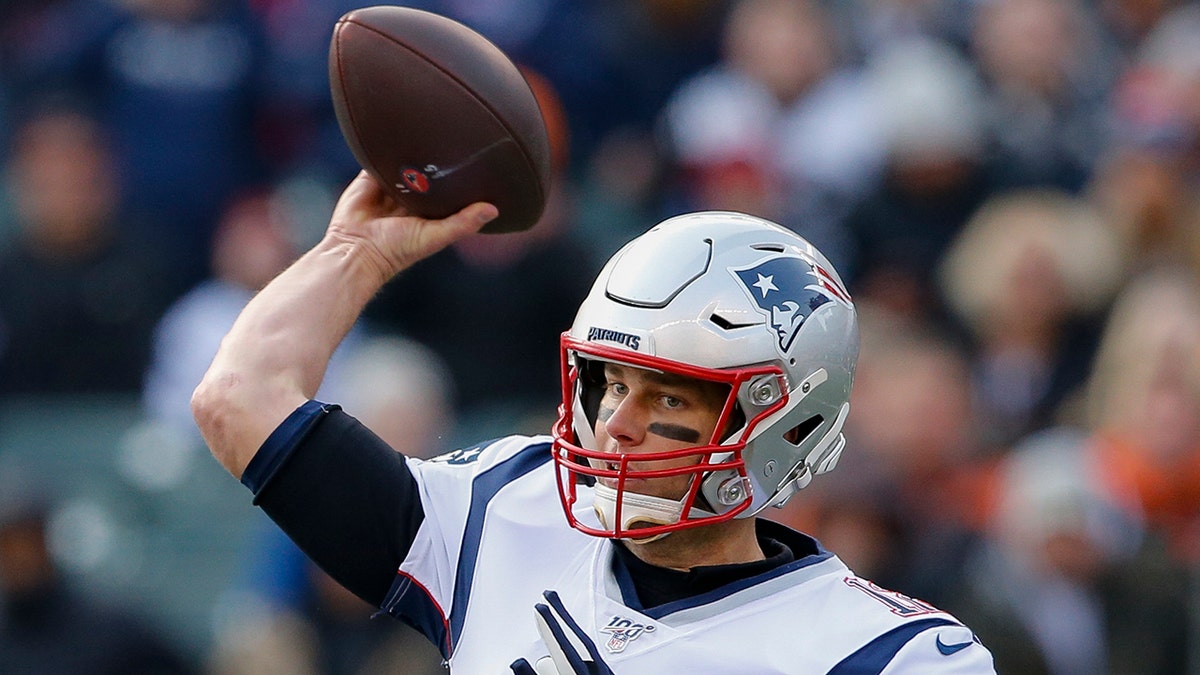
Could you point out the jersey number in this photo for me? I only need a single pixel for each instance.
(898, 603)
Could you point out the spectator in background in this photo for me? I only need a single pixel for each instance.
(298, 130)
(1029, 278)
(1067, 581)
(1172, 50)
(620, 188)
(39, 40)
(927, 102)
(79, 293)
(656, 44)
(1146, 193)
(651, 46)
(177, 83)
(1047, 81)
(1147, 196)
(1148, 182)
(49, 626)
(778, 128)
(612, 63)
(1143, 403)
(404, 391)
(257, 236)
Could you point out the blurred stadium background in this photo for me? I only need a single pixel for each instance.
(1011, 189)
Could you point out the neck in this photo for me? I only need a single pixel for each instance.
(730, 542)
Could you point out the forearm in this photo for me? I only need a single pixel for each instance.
(274, 357)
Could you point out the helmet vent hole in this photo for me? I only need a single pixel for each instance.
(797, 434)
(774, 248)
(726, 324)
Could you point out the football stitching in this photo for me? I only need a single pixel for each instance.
(342, 92)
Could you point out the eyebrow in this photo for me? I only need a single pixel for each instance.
(655, 376)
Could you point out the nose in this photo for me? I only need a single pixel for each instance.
(627, 423)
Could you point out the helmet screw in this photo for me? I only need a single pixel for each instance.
(731, 492)
(769, 469)
(805, 387)
(764, 391)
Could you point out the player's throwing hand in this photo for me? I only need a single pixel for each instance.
(365, 215)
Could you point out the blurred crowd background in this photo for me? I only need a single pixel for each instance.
(1010, 188)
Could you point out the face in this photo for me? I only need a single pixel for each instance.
(643, 411)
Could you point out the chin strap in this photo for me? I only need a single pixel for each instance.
(638, 508)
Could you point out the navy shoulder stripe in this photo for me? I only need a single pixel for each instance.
(874, 656)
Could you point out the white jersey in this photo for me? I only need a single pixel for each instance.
(496, 575)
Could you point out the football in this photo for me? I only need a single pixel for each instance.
(439, 115)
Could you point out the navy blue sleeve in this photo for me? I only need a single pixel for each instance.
(345, 497)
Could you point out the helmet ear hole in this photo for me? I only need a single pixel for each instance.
(797, 434)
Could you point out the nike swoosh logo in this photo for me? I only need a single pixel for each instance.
(947, 650)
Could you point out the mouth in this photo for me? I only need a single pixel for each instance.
(605, 465)
(613, 480)
(609, 481)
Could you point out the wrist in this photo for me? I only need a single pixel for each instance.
(359, 259)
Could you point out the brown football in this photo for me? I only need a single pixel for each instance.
(439, 115)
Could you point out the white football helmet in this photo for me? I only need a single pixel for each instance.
(728, 298)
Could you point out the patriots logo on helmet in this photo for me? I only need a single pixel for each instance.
(788, 289)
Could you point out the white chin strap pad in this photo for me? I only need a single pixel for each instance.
(637, 508)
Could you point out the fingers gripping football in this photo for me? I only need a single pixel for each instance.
(367, 217)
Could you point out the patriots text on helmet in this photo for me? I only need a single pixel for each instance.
(608, 335)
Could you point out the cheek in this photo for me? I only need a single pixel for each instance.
(600, 428)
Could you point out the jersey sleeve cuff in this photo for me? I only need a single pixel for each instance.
(281, 443)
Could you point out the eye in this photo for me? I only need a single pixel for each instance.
(672, 402)
(618, 388)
